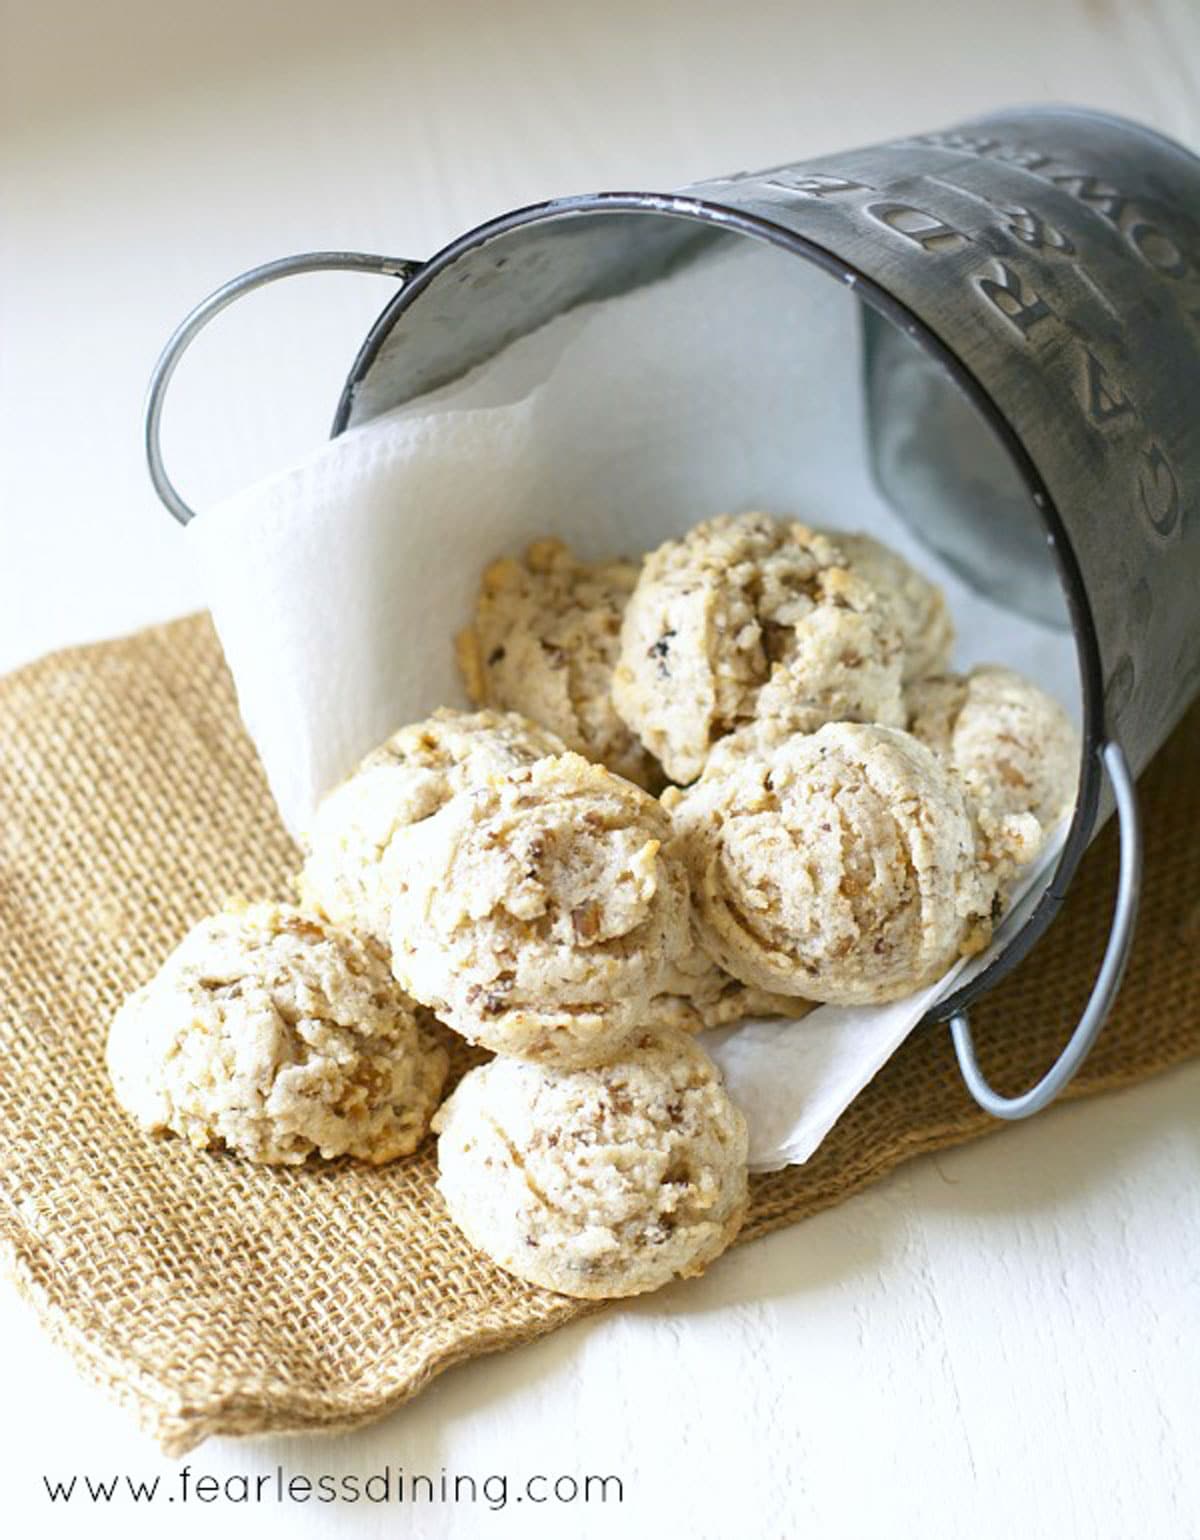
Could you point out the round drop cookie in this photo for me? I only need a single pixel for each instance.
(841, 867)
(539, 914)
(406, 779)
(1014, 750)
(916, 606)
(749, 617)
(597, 1182)
(272, 1034)
(544, 642)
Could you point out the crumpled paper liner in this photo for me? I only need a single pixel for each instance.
(208, 1296)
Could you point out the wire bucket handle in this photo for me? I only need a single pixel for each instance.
(1108, 980)
(208, 309)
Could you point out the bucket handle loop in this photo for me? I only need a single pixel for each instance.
(1108, 980)
(194, 323)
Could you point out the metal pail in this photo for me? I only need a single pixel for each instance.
(1030, 292)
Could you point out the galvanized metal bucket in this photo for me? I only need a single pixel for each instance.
(1030, 284)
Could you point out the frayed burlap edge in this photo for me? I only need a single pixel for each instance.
(209, 1297)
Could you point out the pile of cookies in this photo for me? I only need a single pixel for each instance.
(731, 780)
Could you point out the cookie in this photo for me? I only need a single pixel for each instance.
(699, 994)
(1014, 750)
(272, 1034)
(599, 1183)
(916, 606)
(751, 617)
(545, 642)
(406, 779)
(840, 868)
(540, 913)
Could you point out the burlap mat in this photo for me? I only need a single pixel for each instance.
(208, 1296)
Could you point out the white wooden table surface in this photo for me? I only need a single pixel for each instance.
(1001, 1340)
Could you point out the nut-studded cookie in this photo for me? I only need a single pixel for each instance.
(751, 617)
(401, 782)
(544, 642)
(841, 867)
(597, 1182)
(1014, 750)
(273, 1034)
(540, 913)
(700, 994)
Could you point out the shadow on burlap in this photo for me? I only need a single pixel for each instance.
(209, 1296)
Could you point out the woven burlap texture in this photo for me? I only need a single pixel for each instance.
(209, 1296)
